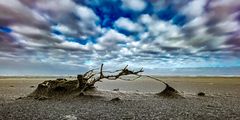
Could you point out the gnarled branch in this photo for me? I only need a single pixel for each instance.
(89, 79)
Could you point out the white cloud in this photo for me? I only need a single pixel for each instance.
(28, 30)
(72, 46)
(64, 29)
(125, 51)
(86, 13)
(14, 12)
(145, 19)
(197, 22)
(56, 8)
(136, 5)
(225, 3)
(61, 12)
(228, 26)
(87, 25)
(195, 8)
(112, 37)
(98, 47)
(126, 24)
(158, 27)
(111, 41)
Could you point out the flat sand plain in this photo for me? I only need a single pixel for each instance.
(222, 100)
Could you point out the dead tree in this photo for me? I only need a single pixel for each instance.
(88, 80)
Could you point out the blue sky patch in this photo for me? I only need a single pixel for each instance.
(5, 29)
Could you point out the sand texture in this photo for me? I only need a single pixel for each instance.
(137, 100)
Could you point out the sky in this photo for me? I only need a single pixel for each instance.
(56, 37)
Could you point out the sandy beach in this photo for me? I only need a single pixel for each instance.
(137, 100)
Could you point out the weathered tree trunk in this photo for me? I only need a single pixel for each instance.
(81, 82)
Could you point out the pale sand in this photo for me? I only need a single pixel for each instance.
(222, 100)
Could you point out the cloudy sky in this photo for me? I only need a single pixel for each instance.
(71, 36)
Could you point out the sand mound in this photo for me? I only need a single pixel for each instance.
(54, 88)
(170, 92)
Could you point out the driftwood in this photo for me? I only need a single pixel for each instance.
(87, 81)
(84, 82)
